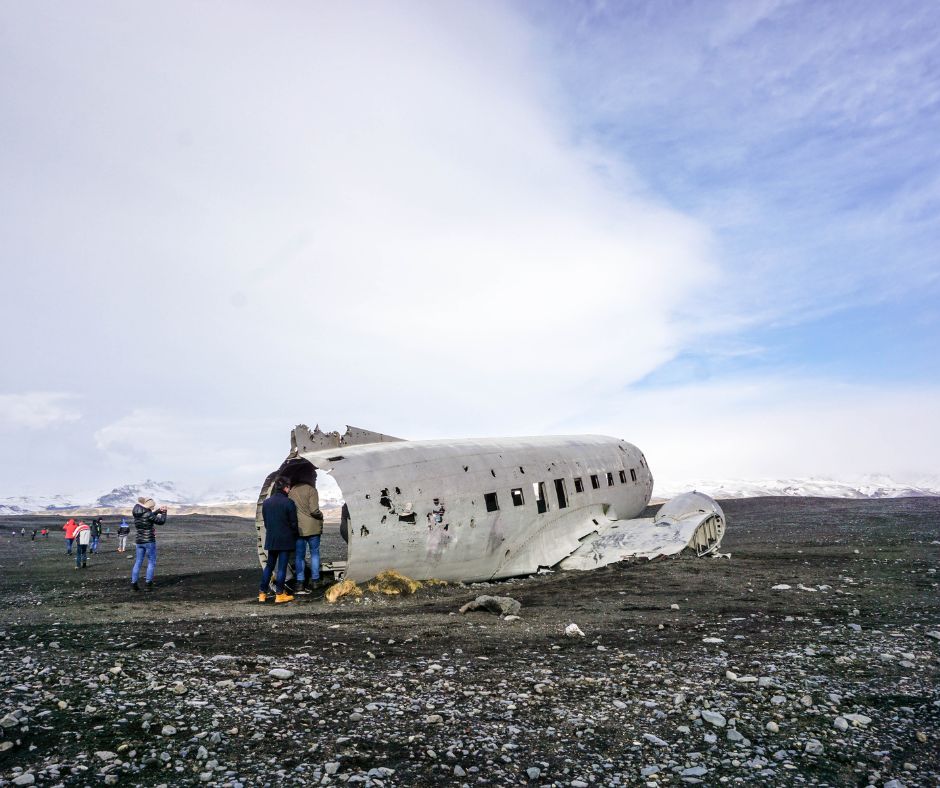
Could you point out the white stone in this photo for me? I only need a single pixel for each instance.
(841, 723)
(280, 673)
(781, 587)
(814, 747)
(772, 727)
(714, 718)
(573, 631)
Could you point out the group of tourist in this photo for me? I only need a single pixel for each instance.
(293, 523)
(86, 539)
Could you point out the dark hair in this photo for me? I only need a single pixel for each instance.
(280, 483)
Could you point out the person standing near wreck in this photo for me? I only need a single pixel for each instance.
(280, 538)
(303, 493)
(146, 518)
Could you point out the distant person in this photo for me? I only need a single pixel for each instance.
(146, 518)
(280, 537)
(33, 537)
(123, 530)
(82, 540)
(95, 534)
(69, 529)
(303, 493)
(107, 531)
(45, 533)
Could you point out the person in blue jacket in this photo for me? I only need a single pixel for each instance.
(280, 537)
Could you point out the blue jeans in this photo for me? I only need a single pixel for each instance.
(278, 557)
(68, 545)
(150, 550)
(94, 543)
(301, 554)
(81, 554)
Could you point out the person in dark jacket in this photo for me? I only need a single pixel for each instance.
(146, 518)
(123, 530)
(280, 536)
(95, 534)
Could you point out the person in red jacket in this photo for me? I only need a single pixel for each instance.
(69, 529)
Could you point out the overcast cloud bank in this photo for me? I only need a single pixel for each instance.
(465, 220)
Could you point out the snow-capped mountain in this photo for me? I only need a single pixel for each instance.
(165, 493)
(867, 487)
(243, 500)
(126, 496)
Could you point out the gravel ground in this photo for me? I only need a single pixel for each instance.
(689, 671)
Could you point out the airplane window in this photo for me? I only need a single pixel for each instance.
(492, 505)
(610, 479)
(594, 482)
(623, 477)
(517, 499)
(578, 485)
(561, 493)
(541, 503)
(632, 474)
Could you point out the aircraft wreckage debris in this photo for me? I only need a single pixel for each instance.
(467, 510)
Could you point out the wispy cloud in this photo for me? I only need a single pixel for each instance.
(37, 410)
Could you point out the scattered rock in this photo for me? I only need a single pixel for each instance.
(714, 718)
(501, 605)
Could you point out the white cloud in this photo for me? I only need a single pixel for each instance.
(159, 443)
(37, 410)
(371, 205)
(749, 428)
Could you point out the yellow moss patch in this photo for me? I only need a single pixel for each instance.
(393, 583)
(341, 589)
(435, 582)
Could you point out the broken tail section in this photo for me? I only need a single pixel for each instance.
(692, 522)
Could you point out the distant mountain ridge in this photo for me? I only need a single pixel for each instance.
(165, 493)
(243, 501)
(867, 487)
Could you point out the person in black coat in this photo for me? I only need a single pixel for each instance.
(280, 537)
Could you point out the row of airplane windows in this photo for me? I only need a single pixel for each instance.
(491, 499)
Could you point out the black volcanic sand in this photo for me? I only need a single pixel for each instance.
(102, 685)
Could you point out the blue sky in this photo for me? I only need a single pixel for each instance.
(709, 228)
(804, 134)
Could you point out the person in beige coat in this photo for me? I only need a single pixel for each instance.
(303, 493)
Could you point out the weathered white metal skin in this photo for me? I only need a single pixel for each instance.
(478, 509)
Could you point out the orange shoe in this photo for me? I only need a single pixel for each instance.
(285, 597)
(262, 597)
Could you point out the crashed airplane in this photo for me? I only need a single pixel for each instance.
(489, 508)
